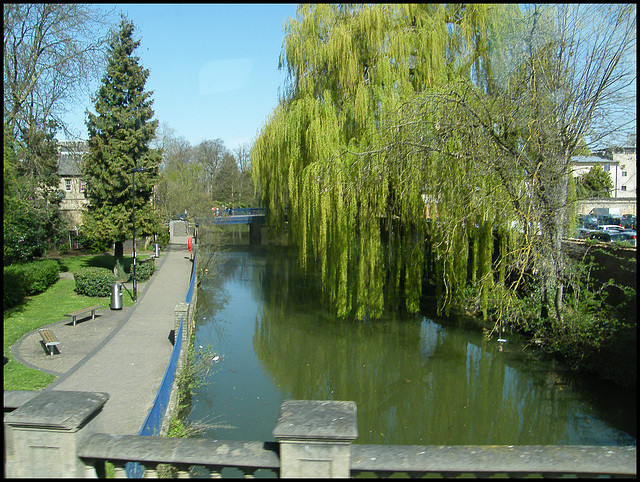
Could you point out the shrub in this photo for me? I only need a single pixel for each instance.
(144, 270)
(119, 271)
(94, 281)
(163, 240)
(26, 279)
(39, 275)
(13, 287)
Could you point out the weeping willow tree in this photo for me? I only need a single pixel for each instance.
(359, 193)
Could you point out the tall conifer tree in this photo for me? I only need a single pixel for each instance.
(119, 136)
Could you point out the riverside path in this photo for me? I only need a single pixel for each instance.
(121, 352)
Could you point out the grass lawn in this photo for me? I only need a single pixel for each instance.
(45, 308)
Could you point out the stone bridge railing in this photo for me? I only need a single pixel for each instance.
(58, 434)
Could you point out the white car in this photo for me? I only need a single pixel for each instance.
(609, 227)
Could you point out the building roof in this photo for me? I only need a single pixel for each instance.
(70, 158)
(591, 160)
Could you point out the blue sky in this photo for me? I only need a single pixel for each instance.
(213, 67)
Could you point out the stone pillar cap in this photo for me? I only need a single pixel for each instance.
(58, 410)
(319, 420)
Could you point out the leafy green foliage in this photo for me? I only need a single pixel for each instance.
(144, 270)
(465, 114)
(595, 184)
(199, 178)
(39, 275)
(594, 334)
(14, 289)
(24, 236)
(28, 279)
(357, 211)
(31, 219)
(94, 282)
(119, 137)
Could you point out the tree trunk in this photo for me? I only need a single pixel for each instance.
(544, 307)
(558, 232)
(118, 254)
(558, 302)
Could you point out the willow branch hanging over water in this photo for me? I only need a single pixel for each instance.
(358, 193)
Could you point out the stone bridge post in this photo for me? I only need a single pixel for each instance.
(315, 438)
(44, 435)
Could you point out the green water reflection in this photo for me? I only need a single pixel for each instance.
(416, 380)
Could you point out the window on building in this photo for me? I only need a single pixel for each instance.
(67, 184)
(624, 173)
(607, 167)
(81, 186)
(623, 188)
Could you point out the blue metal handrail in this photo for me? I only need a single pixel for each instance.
(155, 417)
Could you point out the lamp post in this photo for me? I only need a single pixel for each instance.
(133, 203)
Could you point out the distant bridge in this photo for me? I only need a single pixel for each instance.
(236, 216)
(254, 217)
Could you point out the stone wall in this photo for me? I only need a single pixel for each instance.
(627, 205)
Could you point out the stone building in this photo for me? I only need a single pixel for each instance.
(70, 171)
(620, 163)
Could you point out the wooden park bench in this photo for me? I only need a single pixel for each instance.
(49, 339)
(91, 309)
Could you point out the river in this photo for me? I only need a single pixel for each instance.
(417, 380)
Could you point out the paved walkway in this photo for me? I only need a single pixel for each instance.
(121, 352)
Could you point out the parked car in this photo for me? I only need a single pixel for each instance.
(588, 225)
(629, 232)
(612, 237)
(617, 221)
(587, 219)
(585, 233)
(629, 221)
(609, 227)
(631, 235)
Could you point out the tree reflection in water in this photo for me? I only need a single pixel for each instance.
(416, 380)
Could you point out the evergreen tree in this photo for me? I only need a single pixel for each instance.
(594, 184)
(119, 136)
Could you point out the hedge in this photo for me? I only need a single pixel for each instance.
(93, 281)
(144, 270)
(27, 279)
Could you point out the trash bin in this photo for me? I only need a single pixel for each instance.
(156, 250)
(116, 296)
